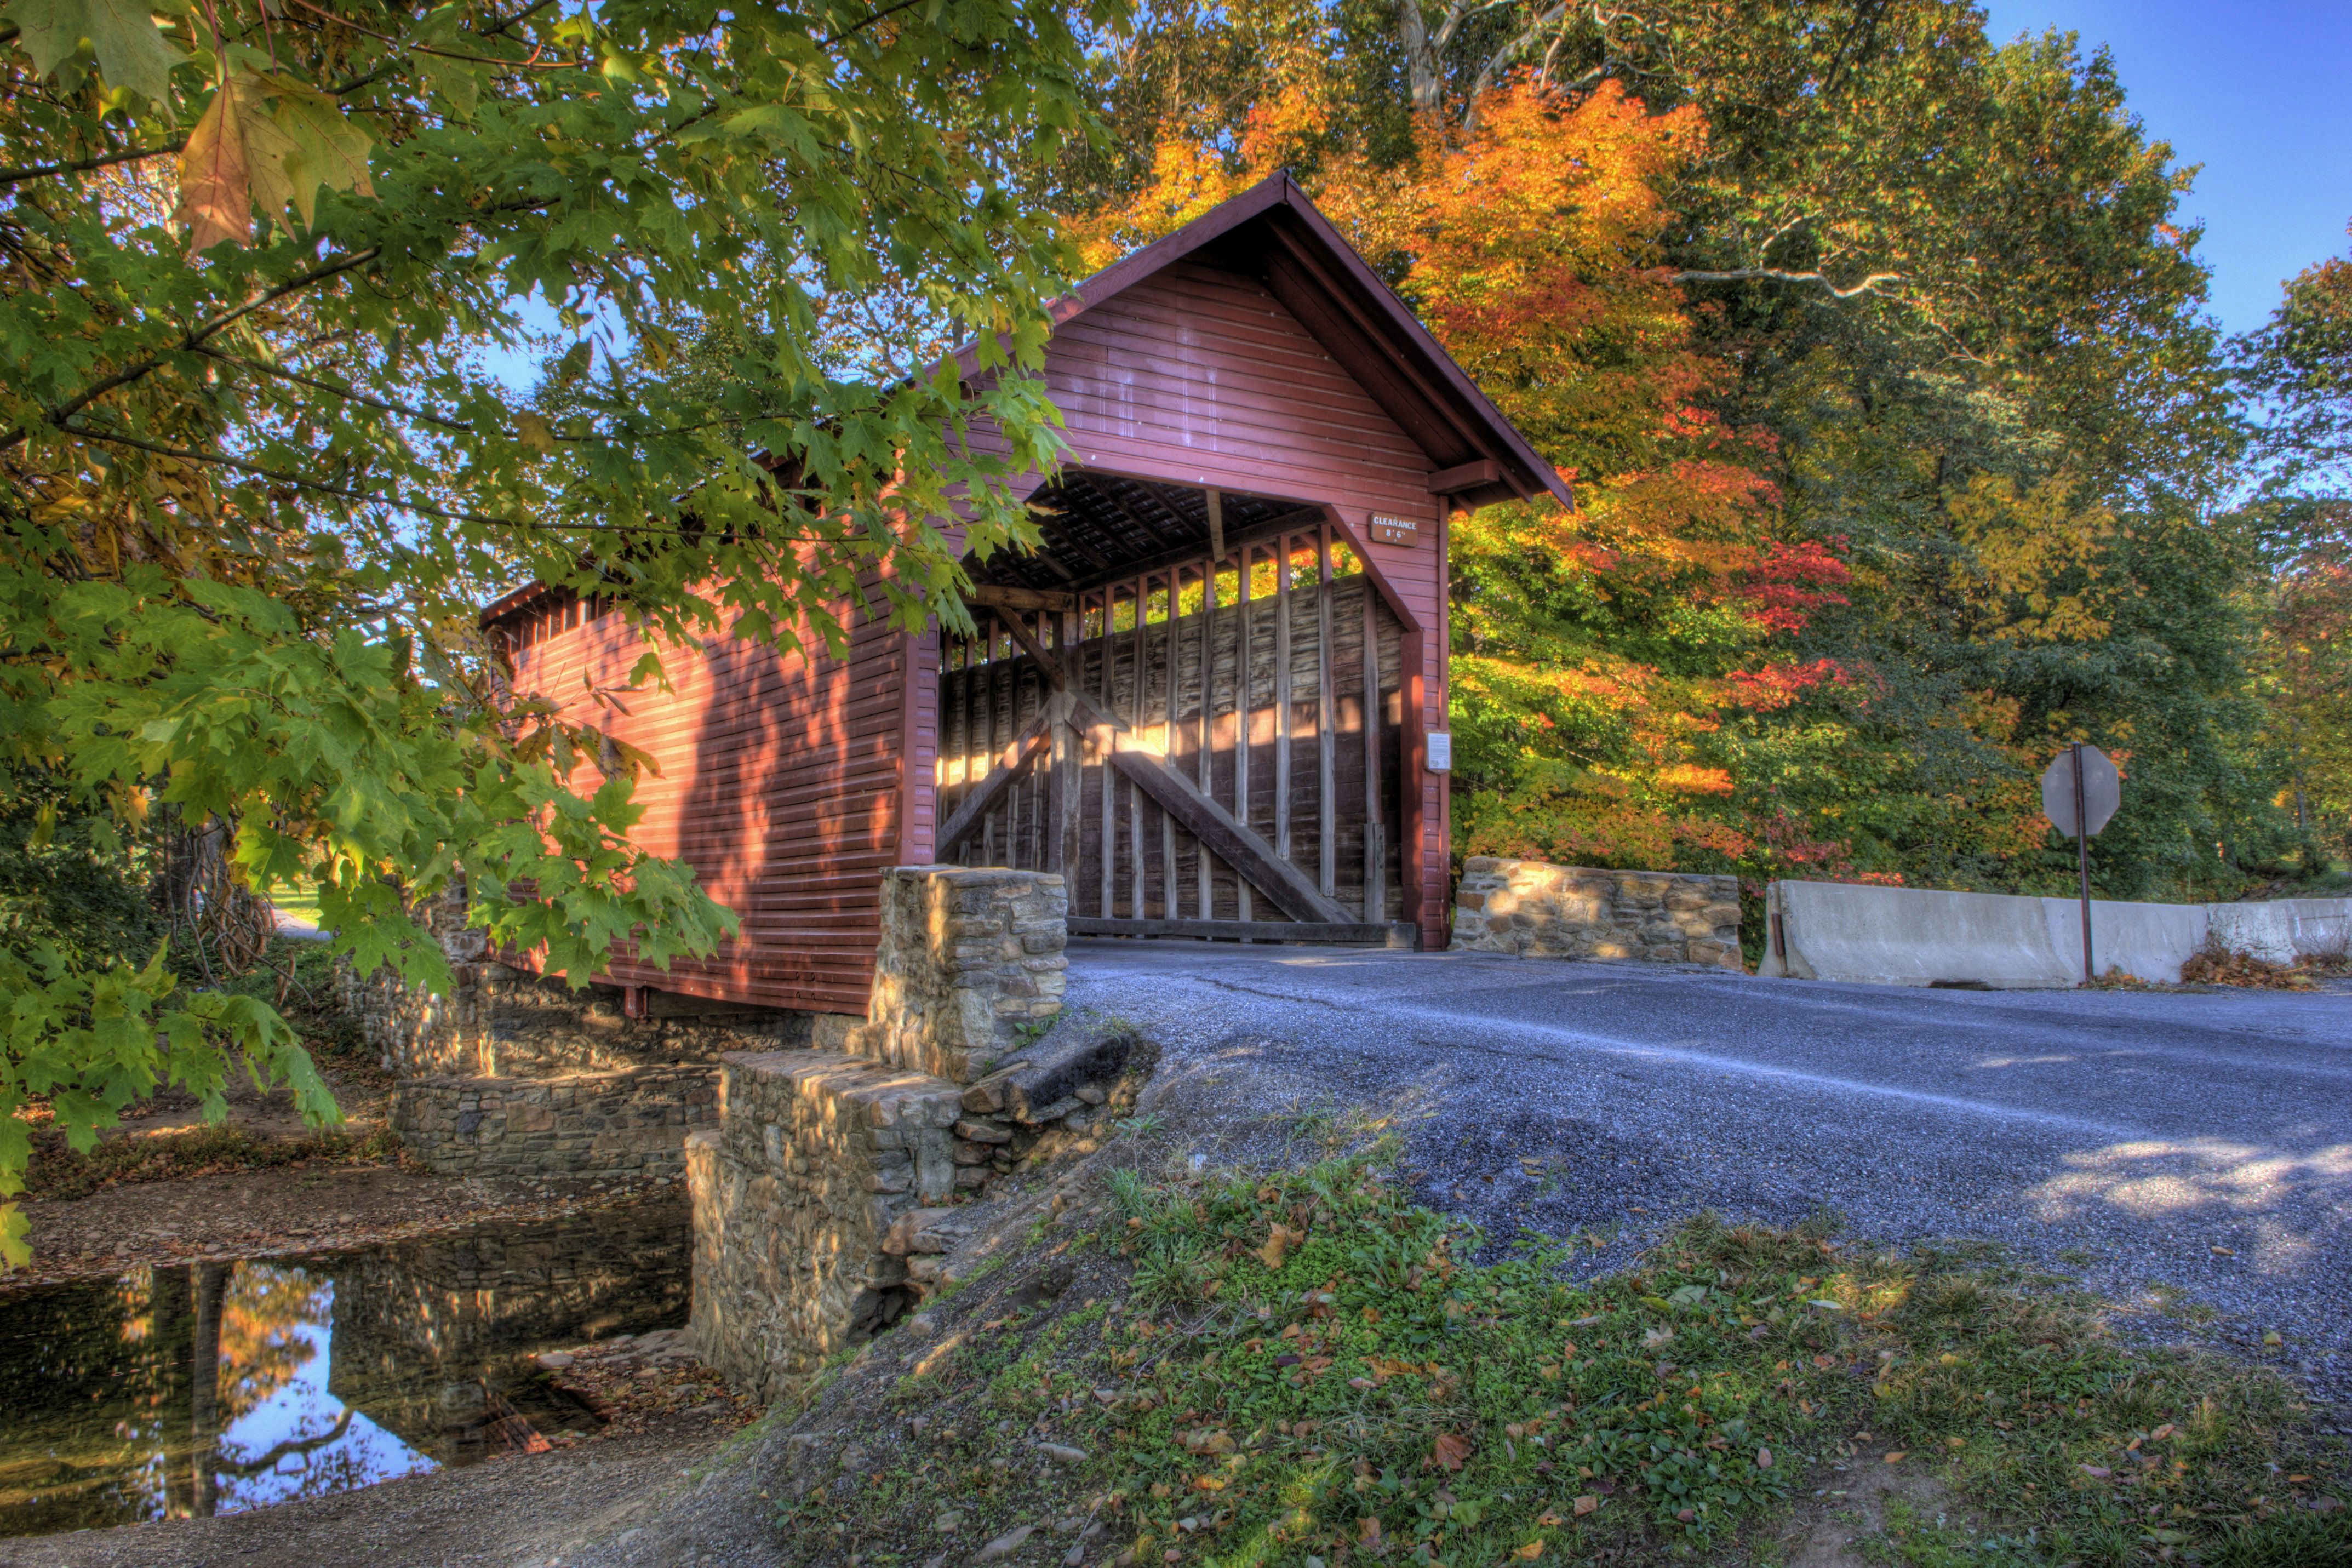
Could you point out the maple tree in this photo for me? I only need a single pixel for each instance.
(260, 474)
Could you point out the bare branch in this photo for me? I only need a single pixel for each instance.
(373, 498)
(359, 397)
(1505, 56)
(1869, 285)
(406, 46)
(83, 165)
(854, 30)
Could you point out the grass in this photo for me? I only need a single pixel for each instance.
(56, 1172)
(1307, 1369)
(296, 903)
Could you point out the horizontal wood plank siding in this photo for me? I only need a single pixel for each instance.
(780, 784)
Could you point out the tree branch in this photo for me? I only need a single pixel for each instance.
(406, 48)
(194, 339)
(1779, 275)
(372, 497)
(831, 38)
(83, 165)
(359, 397)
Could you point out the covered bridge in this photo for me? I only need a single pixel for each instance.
(1209, 699)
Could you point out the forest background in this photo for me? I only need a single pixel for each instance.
(1904, 449)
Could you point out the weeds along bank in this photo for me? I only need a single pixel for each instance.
(1154, 1365)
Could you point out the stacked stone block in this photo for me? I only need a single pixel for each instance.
(815, 1161)
(1531, 910)
(629, 1122)
(829, 1198)
(969, 957)
(512, 1074)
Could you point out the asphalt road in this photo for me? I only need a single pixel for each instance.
(2171, 1150)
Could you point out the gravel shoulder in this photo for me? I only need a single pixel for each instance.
(2189, 1155)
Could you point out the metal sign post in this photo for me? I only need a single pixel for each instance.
(2080, 792)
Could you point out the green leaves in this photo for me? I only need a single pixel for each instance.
(261, 478)
(130, 50)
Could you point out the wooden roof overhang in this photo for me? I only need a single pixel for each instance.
(1099, 527)
(1273, 231)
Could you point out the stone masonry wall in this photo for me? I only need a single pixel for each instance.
(970, 962)
(829, 1198)
(817, 1161)
(630, 1123)
(502, 1022)
(1530, 910)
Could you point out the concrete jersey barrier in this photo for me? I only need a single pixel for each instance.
(1915, 936)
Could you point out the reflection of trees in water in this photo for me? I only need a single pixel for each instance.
(121, 1402)
(262, 1345)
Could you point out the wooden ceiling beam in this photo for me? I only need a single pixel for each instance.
(996, 596)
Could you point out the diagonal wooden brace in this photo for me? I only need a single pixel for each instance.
(1234, 841)
(1011, 764)
(1089, 712)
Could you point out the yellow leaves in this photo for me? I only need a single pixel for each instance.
(1688, 778)
(268, 139)
(215, 186)
(1529, 1552)
(1208, 1440)
(1209, 1483)
(2034, 558)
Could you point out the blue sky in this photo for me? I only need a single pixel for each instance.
(2258, 91)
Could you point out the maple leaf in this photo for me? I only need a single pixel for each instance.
(1449, 1451)
(216, 182)
(324, 145)
(131, 50)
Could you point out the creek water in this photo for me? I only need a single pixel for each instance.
(212, 1387)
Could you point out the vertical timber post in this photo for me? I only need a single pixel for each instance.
(1070, 764)
(1244, 664)
(1376, 849)
(1168, 744)
(1282, 695)
(1207, 780)
(1326, 699)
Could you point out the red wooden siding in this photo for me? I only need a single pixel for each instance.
(1200, 376)
(780, 784)
(790, 783)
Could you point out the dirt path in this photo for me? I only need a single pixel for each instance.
(530, 1509)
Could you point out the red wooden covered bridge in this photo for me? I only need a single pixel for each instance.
(1208, 700)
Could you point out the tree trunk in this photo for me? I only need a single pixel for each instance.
(1425, 70)
(204, 1372)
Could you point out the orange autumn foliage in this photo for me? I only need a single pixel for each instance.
(1609, 660)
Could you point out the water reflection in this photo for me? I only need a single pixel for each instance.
(217, 1387)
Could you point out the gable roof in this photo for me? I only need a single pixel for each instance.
(1272, 232)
